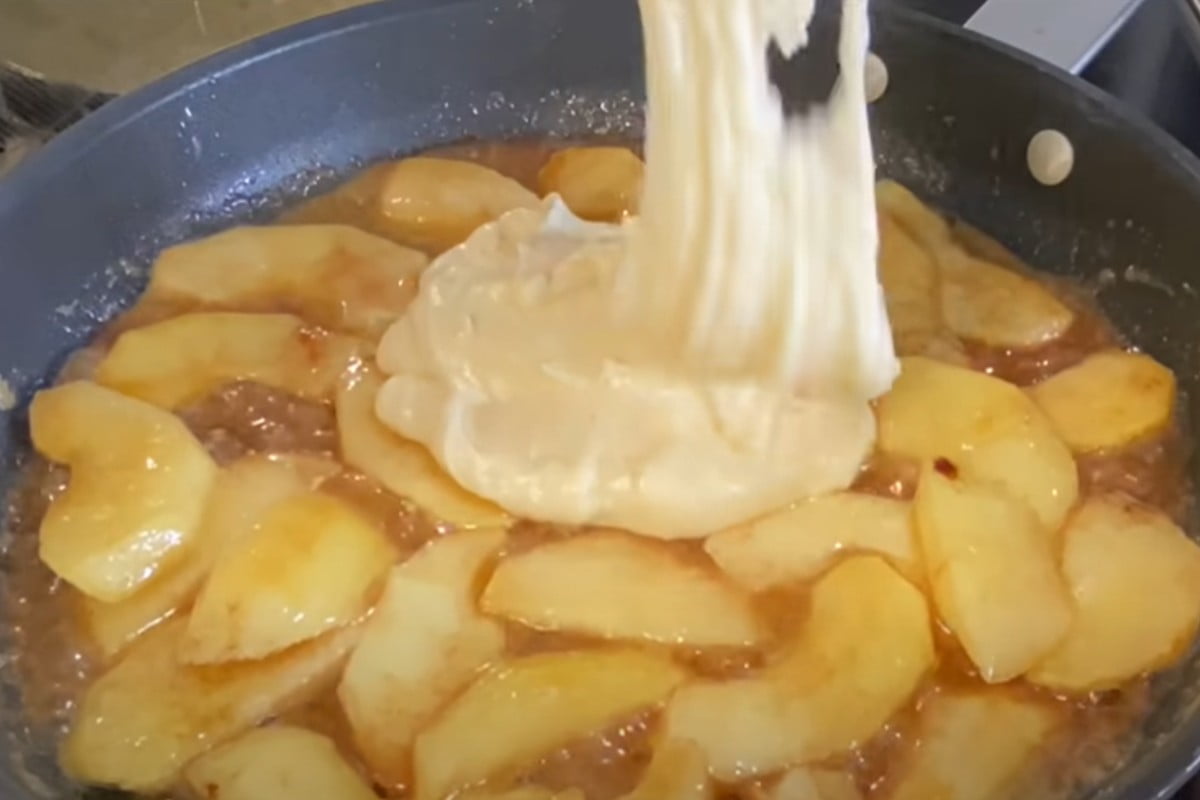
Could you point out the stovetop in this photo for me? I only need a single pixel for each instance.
(1152, 64)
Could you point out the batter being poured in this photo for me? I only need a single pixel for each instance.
(694, 367)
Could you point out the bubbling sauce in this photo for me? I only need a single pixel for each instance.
(56, 662)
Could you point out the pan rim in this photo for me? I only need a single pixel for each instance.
(1160, 773)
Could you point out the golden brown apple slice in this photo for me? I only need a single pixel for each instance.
(183, 359)
(814, 783)
(310, 565)
(277, 763)
(333, 275)
(1109, 400)
(911, 287)
(1135, 578)
(524, 709)
(990, 429)
(242, 492)
(865, 649)
(617, 586)
(436, 203)
(926, 227)
(987, 303)
(149, 715)
(402, 466)
(676, 772)
(139, 482)
(424, 642)
(801, 542)
(994, 574)
(596, 183)
(973, 746)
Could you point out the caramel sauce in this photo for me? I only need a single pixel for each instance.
(52, 652)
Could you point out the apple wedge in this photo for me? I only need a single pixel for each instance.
(335, 276)
(596, 183)
(404, 467)
(990, 429)
(973, 746)
(436, 203)
(994, 574)
(276, 763)
(617, 586)
(149, 715)
(866, 648)
(136, 496)
(998, 307)
(182, 359)
(1135, 579)
(1109, 400)
(311, 564)
(676, 772)
(242, 492)
(520, 711)
(926, 227)
(814, 783)
(799, 543)
(909, 276)
(424, 642)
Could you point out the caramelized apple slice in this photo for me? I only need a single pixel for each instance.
(1135, 578)
(522, 710)
(814, 783)
(1110, 400)
(987, 303)
(994, 574)
(333, 275)
(973, 746)
(990, 429)
(616, 586)
(926, 227)
(311, 564)
(677, 772)
(149, 715)
(799, 543)
(139, 482)
(910, 282)
(277, 763)
(183, 359)
(242, 492)
(402, 466)
(865, 649)
(436, 203)
(596, 183)
(424, 642)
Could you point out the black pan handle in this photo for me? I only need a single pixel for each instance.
(1067, 33)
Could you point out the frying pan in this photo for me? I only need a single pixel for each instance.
(236, 137)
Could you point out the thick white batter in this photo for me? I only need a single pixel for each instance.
(698, 366)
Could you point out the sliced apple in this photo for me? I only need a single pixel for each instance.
(799, 543)
(617, 586)
(911, 287)
(994, 574)
(814, 783)
(139, 483)
(596, 183)
(1109, 400)
(277, 763)
(926, 227)
(333, 275)
(402, 466)
(1135, 578)
(242, 492)
(973, 746)
(436, 203)
(310, 565)
(996, 306)
(990, 430)
(424, 642)
(522, 710)
(149, 715)
(181, 360)
(676, 772)
(865, 649)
